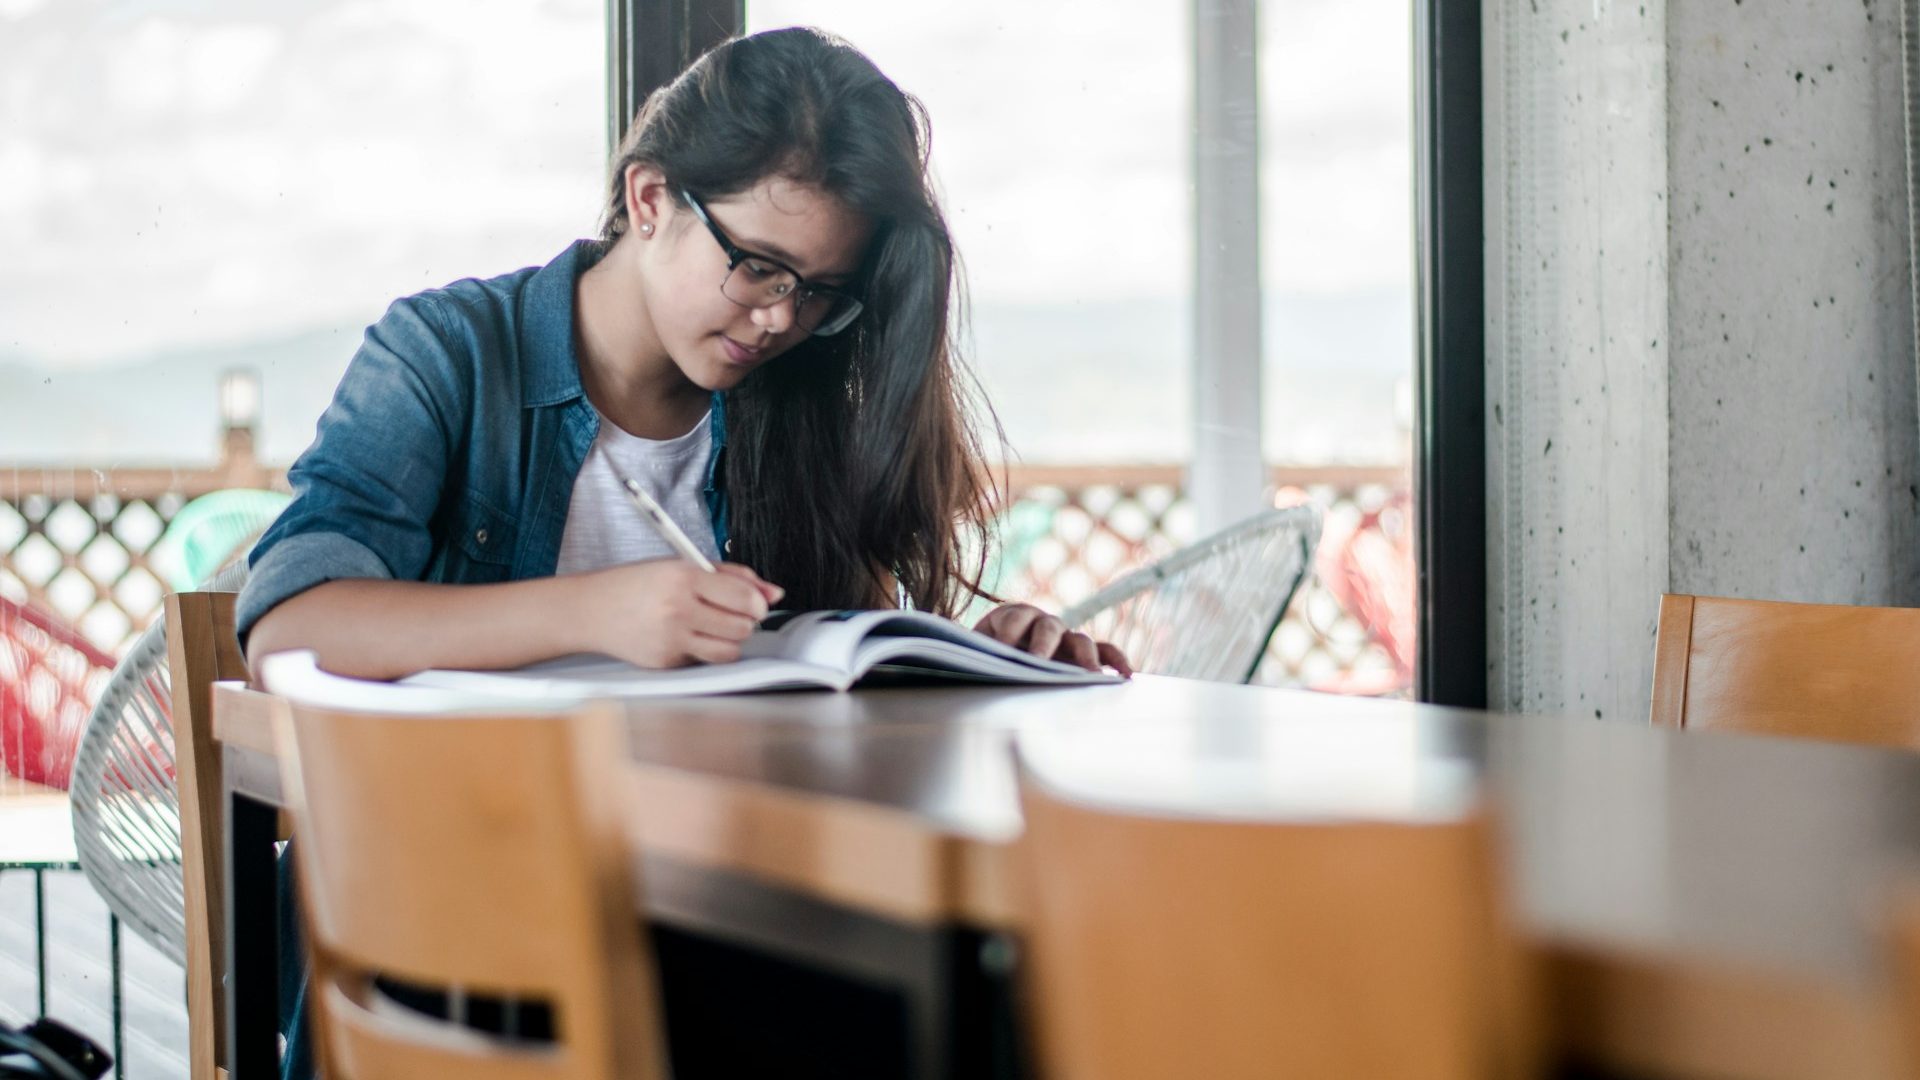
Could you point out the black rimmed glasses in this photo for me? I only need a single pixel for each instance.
(757, 281)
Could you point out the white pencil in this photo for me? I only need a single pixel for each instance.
(664, 525)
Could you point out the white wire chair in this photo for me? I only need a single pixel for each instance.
(126, 807)
(1207, 610)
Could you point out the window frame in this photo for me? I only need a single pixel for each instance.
(650, 42)
(1450, 451)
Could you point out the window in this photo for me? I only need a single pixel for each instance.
(189, 190)
(1063, 145)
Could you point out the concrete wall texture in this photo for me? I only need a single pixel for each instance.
(1701, 366)
(1577, 343)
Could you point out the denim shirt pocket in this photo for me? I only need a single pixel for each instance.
(484, 545)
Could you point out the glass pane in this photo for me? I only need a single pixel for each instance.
(1337, 267)
(187, 191)
(1059, 139)
(1063, 139)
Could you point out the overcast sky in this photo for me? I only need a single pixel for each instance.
(175, 174)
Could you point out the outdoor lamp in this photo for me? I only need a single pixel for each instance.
(240, 398)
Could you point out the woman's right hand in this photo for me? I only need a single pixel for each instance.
(666, 613)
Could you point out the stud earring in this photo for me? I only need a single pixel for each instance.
(646, 228)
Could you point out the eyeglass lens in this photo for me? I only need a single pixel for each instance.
(757, 284)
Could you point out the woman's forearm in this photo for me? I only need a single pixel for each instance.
(374, 629)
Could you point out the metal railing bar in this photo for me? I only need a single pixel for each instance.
(119, 1019)
(40, 934)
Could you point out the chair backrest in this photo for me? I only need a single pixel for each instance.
(202, 649)
(1208, 610)
(1825, 671)
(49, 675)
(478, 854)
(1161, 946)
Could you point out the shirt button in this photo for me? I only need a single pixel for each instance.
(480, 537)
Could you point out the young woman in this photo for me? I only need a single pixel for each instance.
(762, 336)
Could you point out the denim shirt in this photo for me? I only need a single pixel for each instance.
(450, 449)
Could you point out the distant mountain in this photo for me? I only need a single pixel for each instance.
(1096, 382)
(164, 408)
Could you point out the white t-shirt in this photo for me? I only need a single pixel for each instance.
(605, 529)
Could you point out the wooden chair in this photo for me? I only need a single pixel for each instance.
(202, 649)
(1824, 671)
(476, 856)
(1161, 946)
(1900, 937)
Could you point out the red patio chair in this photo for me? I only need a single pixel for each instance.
(1369, 569)
(49, 678)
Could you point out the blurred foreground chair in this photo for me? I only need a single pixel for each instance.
(1823, 671)
(479, 857)
(1161, 946)
(1207, 610)
(1900, 937)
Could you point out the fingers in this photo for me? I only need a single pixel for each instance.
(733, 593)
(1078, 649)
(704, 649)
(1009, 623)
(709, 621)
(1045, 637)
(767, 589)
(1111, 656)
(1026, 627)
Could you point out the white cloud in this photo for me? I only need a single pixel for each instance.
(173, 180)
(23, 178)
(144, 68)
(226, 65)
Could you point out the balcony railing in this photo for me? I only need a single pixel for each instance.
(78, 541)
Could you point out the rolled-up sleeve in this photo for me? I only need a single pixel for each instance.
(365, 492)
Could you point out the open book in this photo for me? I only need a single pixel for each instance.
(792, 650)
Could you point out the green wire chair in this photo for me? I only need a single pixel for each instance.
(206, 532)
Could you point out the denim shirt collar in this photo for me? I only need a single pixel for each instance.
(550, 365)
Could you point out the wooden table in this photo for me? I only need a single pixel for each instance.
(1704, 905)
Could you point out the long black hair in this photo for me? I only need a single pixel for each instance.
(851, 460)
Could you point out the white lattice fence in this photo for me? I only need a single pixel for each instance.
(1072, 530)
(85, 555)
(85, 559)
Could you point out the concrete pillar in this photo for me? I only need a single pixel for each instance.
(1702, 374)
(1577, 351)
(1793, 439)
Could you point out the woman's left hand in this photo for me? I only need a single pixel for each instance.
(1026, 627)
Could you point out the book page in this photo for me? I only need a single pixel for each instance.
(856, 641)
(582, 678)
(951, 658)
(829, 639)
